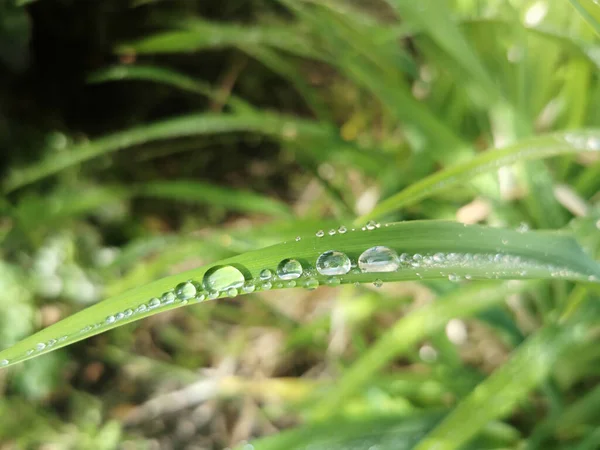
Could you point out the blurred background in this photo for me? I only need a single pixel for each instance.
(141, 138)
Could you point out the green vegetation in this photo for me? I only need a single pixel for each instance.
(382, 218)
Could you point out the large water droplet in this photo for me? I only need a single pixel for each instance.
(265, 274)
(223, 278)
(333, 262)
(378, 259)
(185, 291)
(289, 269)
(167, 298)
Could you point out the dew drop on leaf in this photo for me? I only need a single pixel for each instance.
(378, 259)
(185, 291)
(320, 233)
(333, 262)
(222, 278)
(265, 274)
(289, 269)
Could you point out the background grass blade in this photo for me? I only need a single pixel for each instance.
(409, 331)
(429, 250)
(590, 11)
(527, 149)
(498, 394)
(264, 123)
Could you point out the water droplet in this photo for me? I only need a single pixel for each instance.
(342, 229)
(200, 297)
(185, 291)
(378, 259)
(119, 316)
(266, 286)
(523, 227)
(213, 295)
(223, 278)
(439, 257)
(140, 309)
(371, 225)
(154, 303)
(232, 292)
(377, 283)
(333, 262)
(332, 281)
(249, 288)
(128, 312)
(167, 298)
(109, 320)
(404, 258)
(4, 362)
(291, 284)
(311, 284)
(265, 274)
(453, 277)
(331, 232)
(40, 346)
(63, 338)
(51, 342)
(298, 238)
(320, 233)
(289, 269)
(278, 285)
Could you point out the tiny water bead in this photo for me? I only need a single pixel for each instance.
(371, 225)
(185, 291)
(377, 283)
(298, 238)
(110, 319)
(320, 233)
(40, 346)
(332, 281)
(167, 298)
(290, 284)
(311, 284)
(223, 278)
(265, 274)
(232, 292)
(331, 232)
(333, 262)
(342, 229)
(289, 269)
(248, 288)
(154, 303)
(378, 259)
(266, 286)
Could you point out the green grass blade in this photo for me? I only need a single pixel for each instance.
(427, 249)
(528, 149)
(496, 396)
(165, 76)
(412, 329)
(276, 126)
(590, 11)
(214, 195)
(385, 432)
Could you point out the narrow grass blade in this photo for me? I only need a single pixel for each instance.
(165, 76)
(529, 149)
(529, 366)
(410, 330)
(385, 432)
(195, 191)
(276, 126)
(590, 11)
(415, 250)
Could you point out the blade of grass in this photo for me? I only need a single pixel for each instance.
(166, 76)
(433, 250)
(409, 331)
(279, 127)
(539, 147)
(590, 11)
(496, 396)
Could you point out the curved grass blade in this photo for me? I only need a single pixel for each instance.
(426, 249)
(590, 11)
(496, 396)
(410, 330)
(165, 76)
(276, 126)
(528, 149)
(214, 195)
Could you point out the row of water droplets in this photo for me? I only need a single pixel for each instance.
(229, 281)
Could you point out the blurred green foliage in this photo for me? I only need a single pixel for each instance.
(144, 138)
